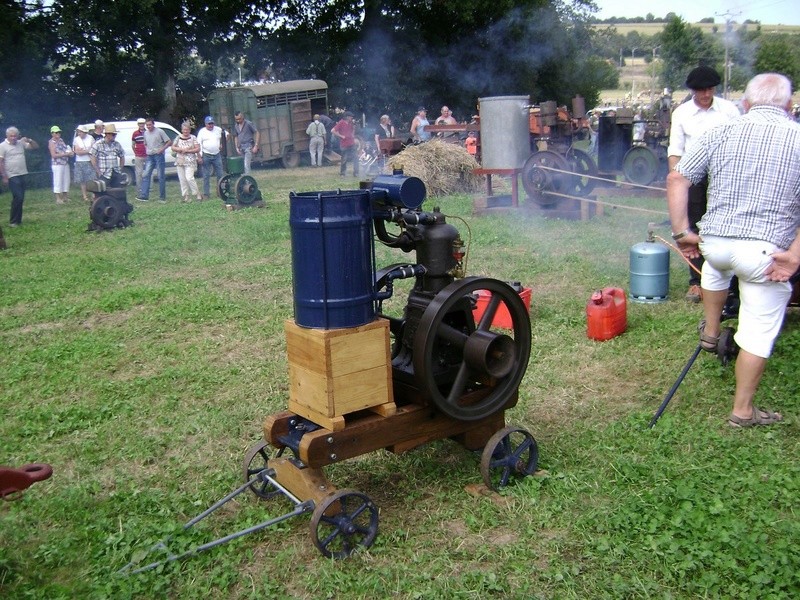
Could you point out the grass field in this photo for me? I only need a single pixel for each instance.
(141, 363)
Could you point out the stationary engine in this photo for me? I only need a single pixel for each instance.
(440, 354)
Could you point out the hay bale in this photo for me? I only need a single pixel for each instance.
(444, 168)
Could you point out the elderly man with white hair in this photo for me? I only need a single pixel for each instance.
(750, 228)
(14, 168)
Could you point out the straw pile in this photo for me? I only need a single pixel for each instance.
(444, 168)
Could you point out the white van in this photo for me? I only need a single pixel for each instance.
(125, 131)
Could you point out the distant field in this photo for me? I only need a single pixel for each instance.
(653, 28)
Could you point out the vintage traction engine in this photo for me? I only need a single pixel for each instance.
(361, 380)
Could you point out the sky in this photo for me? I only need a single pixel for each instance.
(769, 12)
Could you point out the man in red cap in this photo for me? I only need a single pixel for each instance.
(689, 121)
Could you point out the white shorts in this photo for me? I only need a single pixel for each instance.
(763, 302)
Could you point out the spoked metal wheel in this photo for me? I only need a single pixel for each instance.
(511, 452)
(538, 177)
(640, 165)
(246, 190)
(471, 370)
(255, 461)
(584, 167)
(225, 188)
(290, 159)
(343, 522)
(105, 212)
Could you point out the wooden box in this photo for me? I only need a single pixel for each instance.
(334, 372)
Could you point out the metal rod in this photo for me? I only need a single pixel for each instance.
(674, 388)
(300, 507)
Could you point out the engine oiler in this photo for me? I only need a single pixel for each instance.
(389, 382)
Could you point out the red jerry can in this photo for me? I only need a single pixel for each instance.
(606, 314)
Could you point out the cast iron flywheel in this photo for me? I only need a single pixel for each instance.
(543, 172)
(470, 370)
(640, 165)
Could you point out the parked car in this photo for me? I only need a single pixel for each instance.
(125, 131)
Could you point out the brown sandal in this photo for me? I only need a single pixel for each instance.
(707, 342)
(760, 417)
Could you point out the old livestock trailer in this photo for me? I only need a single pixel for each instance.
(280, 111)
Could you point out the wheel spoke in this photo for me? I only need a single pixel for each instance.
(505, 477)
(526, 443)
(459, 385)
(488, 314)
(452, 335)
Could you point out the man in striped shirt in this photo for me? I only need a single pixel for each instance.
(749, 230)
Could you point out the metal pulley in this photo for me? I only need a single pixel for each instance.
(545, 172)
(640, 165)
(241, 189)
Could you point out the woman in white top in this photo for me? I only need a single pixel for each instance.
(83, 171)
(60, 154)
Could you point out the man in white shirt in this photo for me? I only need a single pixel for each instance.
(211, 139)
(690, 120)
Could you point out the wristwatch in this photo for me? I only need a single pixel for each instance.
(682, 234)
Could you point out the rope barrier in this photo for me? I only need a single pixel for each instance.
(597, 178)
(584, 199)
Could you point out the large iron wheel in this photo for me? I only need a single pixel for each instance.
(584, 167)
(106, 212)
(290, 159)
(343, 522)
(640, 165)
(224, 188)
(247, 190)
(255, 461)
(453, 356)
(538, 178)
(512, 451)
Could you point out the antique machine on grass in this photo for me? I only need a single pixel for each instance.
(361, 380)
(237, 190)
(553, 133)
(634, 146)
(110, 207)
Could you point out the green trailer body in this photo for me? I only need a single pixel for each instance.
(281, 112)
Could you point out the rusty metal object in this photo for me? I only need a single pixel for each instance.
(14, 481)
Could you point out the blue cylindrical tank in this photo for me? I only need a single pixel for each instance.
(649, 272)
(332, 259)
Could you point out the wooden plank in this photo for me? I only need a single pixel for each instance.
(411, 426)
(305, 484)
(330, 422)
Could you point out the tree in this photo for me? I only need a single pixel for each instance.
(24, 39)
(404, 53)
(124, 58)
(684, 47)
(777, 54)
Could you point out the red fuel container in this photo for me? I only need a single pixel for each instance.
(606, 314)
(502, 318)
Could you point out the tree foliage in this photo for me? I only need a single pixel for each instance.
(778, 54)
(128, 58)
(161, 57)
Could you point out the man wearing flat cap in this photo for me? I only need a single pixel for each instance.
(689, 121)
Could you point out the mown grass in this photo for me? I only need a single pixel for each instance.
(141, 363)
